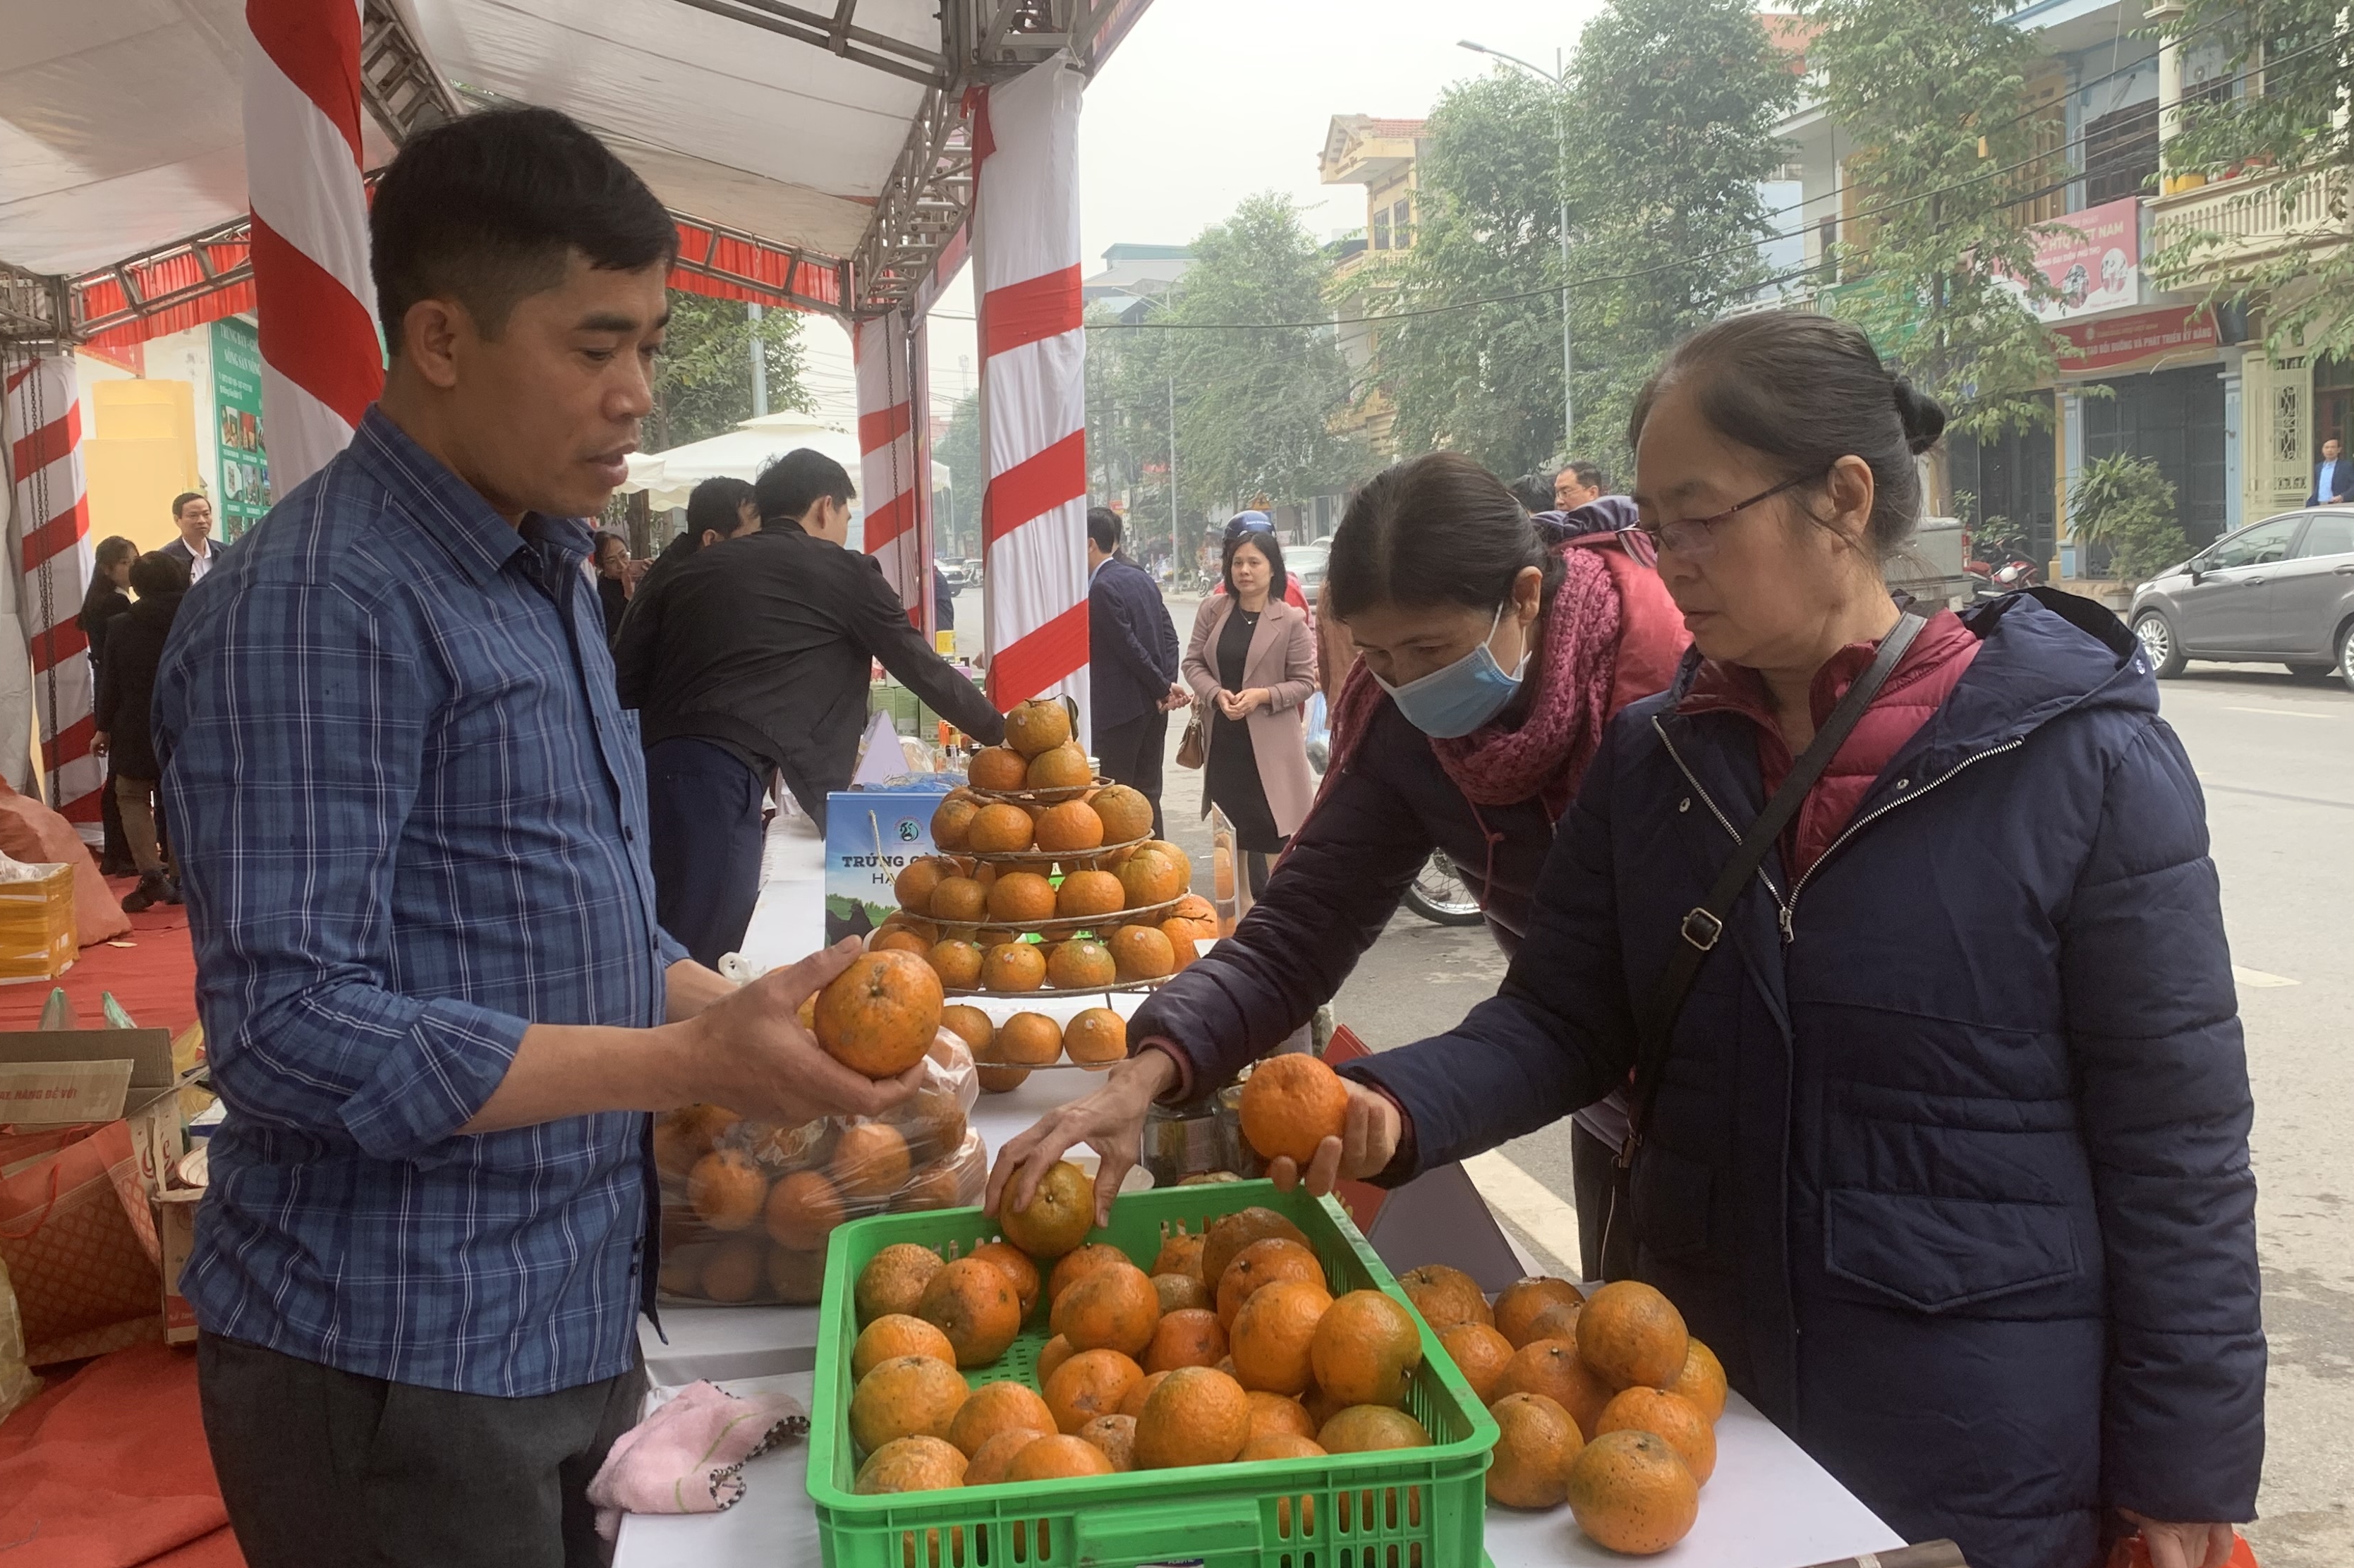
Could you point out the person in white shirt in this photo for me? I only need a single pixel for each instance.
(193, 516)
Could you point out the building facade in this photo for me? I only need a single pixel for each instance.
(1379, 155)
(2145, 370)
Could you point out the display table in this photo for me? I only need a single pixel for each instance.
(1769, 1505)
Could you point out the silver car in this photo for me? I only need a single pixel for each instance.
(2278, 591)
(1308, 563)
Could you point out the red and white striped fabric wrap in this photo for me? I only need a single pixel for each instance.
(50, 531)
(889, 486)
(1025, 247)
(322, 364)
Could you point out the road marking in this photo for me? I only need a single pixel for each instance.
(2279, 713)
(2274, 795)
(1528, 1202)
(2256, 979)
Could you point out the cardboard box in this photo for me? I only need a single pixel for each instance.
(176, 1235)
(149, 1102)
(870, 837)
(38, 934)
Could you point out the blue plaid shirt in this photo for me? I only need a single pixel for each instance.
(411, 816)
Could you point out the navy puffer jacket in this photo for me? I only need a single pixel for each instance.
(1954, 1178)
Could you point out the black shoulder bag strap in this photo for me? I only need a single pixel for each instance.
(1705, 923)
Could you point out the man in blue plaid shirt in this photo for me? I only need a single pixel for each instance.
(411, 819)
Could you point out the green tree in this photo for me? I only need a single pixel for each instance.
(1952, 153)
(1482, 378)
(703, 380)
(2123, 501)
(1256, 392)
(2288, 70)
(960, 449)
(1675, 105)
(1256, 403)
(1669, 112)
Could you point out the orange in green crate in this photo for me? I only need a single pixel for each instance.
(1244, 1514)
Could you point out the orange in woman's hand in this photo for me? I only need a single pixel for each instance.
(1291, 1104)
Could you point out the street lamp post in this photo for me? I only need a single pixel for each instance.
(1559, 80)
(1172, 477)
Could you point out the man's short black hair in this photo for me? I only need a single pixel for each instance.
(488, 208)
(1589, 475)
(713, 506)
(156, 575)
(1103, 528)
(797, 481)
(180, 501)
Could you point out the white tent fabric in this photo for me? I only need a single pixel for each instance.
(124, 127)
(669, 477)
(124, 131)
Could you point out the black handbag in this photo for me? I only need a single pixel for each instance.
(1705, 923)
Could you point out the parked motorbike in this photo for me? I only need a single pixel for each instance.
(1437, 894)
(2000, 567)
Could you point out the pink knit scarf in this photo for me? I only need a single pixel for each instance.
(1568, 703)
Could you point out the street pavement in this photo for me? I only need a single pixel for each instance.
(2275, 754)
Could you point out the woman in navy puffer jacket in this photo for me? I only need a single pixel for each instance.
(1950, 1159)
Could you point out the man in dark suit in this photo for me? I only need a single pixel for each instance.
(755, 656)
(2333, 476)
(1133, 676)
(194, 548)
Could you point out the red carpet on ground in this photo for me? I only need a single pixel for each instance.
(108, 1469)
(151, 972)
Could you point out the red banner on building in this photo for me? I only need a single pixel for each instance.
(2122, 340)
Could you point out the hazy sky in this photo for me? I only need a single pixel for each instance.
(1210, 101)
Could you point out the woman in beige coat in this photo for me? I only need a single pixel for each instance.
(1251, 665)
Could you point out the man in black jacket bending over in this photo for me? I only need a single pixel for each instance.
(755, 656)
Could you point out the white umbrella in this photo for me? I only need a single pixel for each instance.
(669, 477)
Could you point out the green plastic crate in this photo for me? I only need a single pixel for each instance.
(1423, 1508)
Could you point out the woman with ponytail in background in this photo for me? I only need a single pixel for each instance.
(1943, 1148)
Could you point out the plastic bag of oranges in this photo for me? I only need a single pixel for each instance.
(746, 1205)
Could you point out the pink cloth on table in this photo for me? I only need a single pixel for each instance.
(686, 1456)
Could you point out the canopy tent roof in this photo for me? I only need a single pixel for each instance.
(818, 154)
(741, 454)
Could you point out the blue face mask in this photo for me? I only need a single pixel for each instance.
(1459, 699)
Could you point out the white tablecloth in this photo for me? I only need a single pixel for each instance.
(1769, 1505)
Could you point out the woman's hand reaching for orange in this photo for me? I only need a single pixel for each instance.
(1370, 1131)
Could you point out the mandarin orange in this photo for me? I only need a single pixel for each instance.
(1631, 1492)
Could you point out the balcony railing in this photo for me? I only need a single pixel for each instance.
(2248, 220)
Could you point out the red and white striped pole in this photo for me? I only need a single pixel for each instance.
(321, 362)
(1025, 246)
(50, 536)
(889, 486)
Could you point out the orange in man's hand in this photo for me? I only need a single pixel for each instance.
(879, 1015)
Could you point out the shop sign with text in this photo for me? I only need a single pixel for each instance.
(2123, 340)
(244, 495)
(2094, 259)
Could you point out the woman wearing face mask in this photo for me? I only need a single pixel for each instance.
(1493, 647)
(1251, 664)
(1944, 1147)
